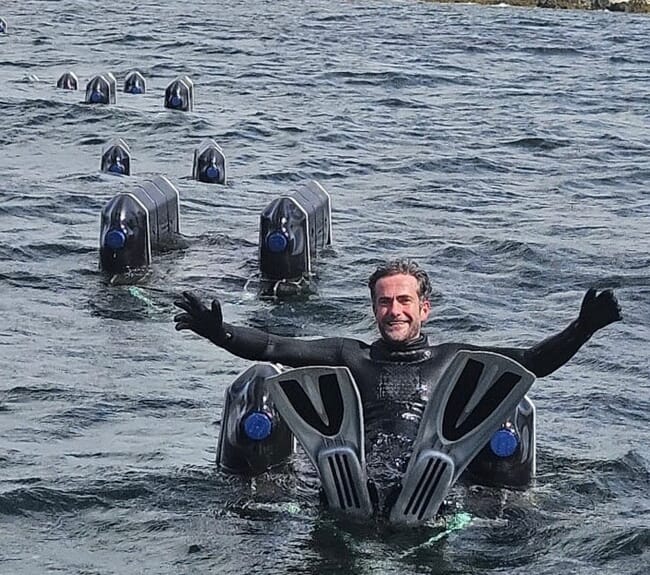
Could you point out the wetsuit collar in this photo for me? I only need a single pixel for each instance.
(413, 351)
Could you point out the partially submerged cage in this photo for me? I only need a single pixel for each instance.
(101, 89)
(116, 158)
(179, 94)
(209, 163)
(293, 230)
(135, 224)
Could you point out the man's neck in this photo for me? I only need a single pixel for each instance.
(412, 350)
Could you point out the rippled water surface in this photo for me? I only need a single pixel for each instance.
(507, 150)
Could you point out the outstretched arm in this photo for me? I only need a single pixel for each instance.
(597, 311)
(250, 343)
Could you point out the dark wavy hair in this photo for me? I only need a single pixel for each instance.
(405, 267)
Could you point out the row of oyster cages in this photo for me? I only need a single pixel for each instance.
(102, 89)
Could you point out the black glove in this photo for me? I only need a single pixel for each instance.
(197, 317)
(597, 311)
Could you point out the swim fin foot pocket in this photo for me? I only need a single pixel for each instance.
(423, 488)
(344, 481)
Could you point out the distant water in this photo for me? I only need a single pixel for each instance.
(506, 149)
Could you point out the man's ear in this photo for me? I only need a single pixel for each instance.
(425, 309)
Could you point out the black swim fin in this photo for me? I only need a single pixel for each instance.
(322, 407)
(475, 394)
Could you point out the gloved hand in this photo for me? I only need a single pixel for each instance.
(197, 317)
(597, 311)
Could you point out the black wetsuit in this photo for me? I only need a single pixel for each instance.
(389, 375)
(394, 382)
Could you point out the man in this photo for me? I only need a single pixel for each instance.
(396, 373)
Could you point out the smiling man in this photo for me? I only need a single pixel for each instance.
(397, 373)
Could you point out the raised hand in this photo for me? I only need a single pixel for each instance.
(204, 321)
(598, 310)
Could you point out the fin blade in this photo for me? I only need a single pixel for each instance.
(475, 394)
(335, 443)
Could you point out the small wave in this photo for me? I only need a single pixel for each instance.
(604, 544)
(40, 250)
(38, 499)
(91, 141)
(622, 542)
(186, 488)
(630, 466)
(23, 393)
(532, 143)
(514, 248)
(28, 280)
(402, 103)
(588, 483)
(160, 404)
(389, 78)
(553, 50)
(622, 59)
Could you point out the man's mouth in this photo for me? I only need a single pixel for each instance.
(396, 323)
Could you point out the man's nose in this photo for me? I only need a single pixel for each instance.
(395, 308)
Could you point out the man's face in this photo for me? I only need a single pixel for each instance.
(398, 309)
